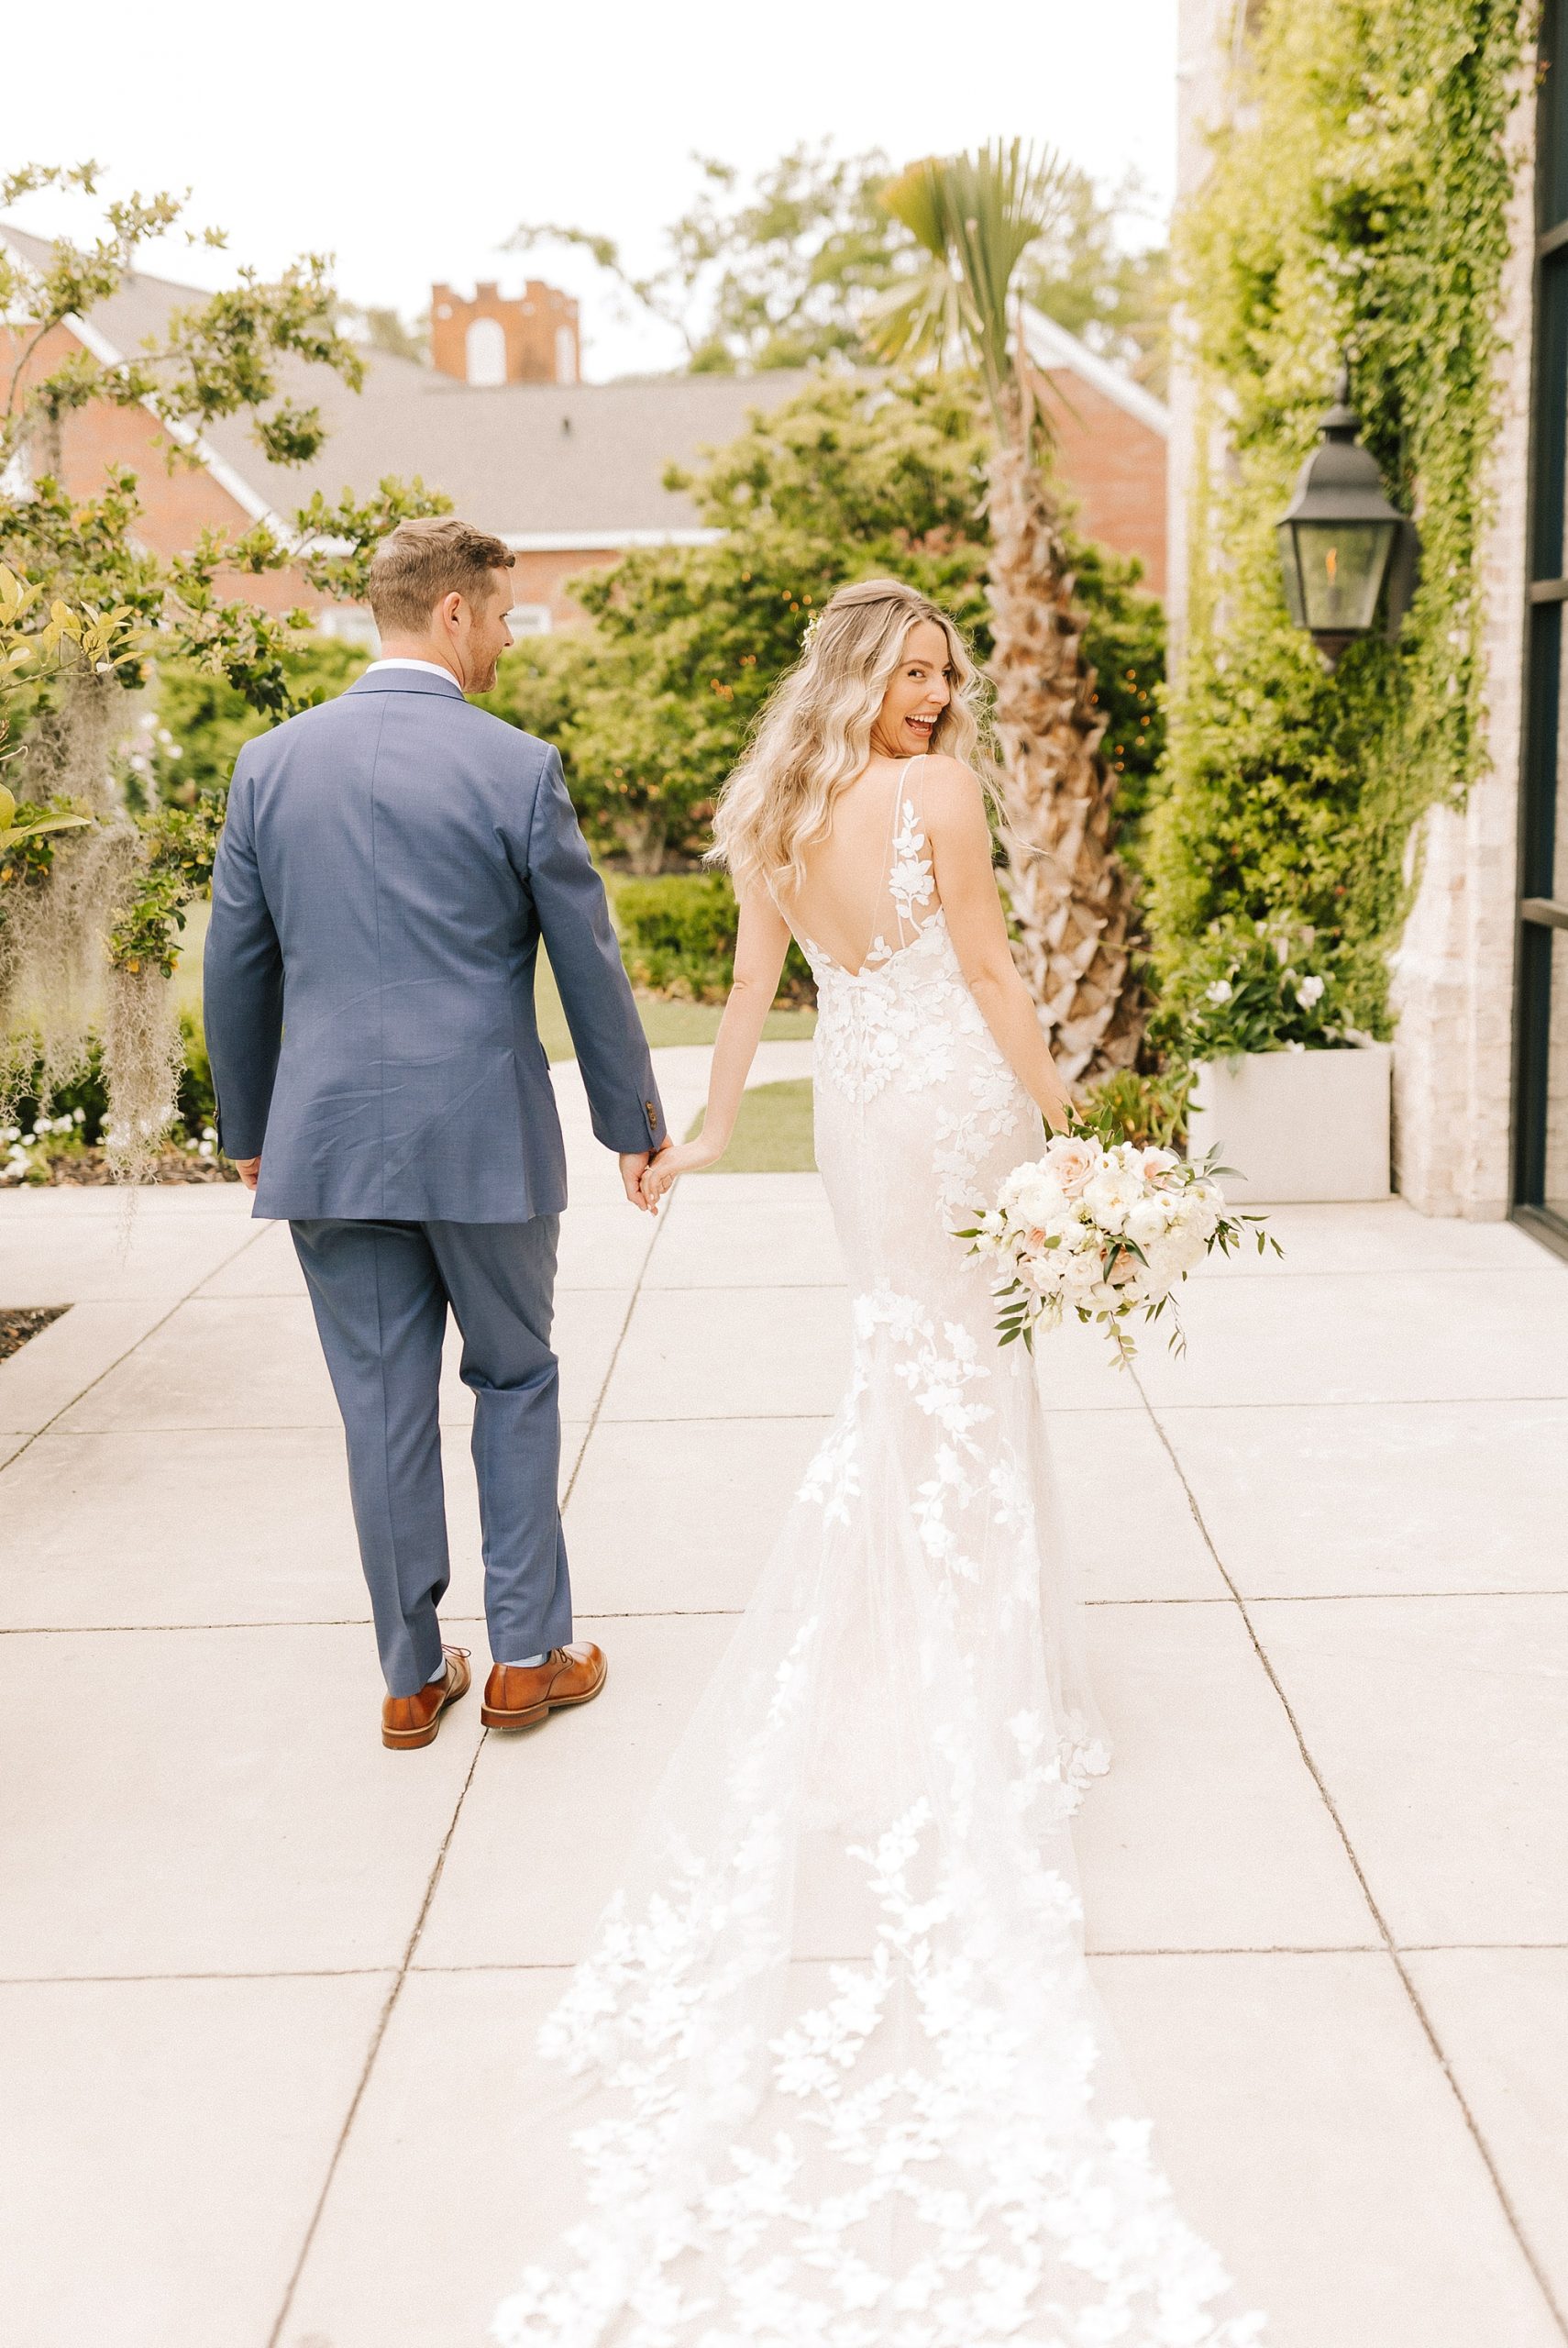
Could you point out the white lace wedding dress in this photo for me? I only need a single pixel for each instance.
(840, 2079)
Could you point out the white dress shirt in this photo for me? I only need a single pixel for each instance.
(434, 666)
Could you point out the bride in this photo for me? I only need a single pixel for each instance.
(836, 2075)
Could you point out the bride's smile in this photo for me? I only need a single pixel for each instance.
(917, 695)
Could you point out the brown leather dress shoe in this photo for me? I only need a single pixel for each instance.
(515, 1695)
(414, 1720)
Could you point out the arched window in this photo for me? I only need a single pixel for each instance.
(486, 350)
(566, 355)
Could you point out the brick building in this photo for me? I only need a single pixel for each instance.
(570, 473)
(532, 338)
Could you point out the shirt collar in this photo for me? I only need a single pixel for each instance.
(433, 667)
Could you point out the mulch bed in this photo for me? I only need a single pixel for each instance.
(89, 1169)
(17, 1325)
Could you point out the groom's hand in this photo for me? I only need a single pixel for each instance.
(632, 1163)
(249, 1170)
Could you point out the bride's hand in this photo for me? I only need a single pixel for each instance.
(673, 1160)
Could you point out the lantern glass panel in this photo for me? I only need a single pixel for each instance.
(1286, 533)
(1342, 567)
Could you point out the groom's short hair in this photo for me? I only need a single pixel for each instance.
(423, 560)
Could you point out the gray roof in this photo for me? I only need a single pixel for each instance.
(576, 461)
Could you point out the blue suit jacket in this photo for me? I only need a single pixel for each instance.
(388, 865)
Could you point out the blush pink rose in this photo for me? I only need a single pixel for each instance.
(1072, 1162)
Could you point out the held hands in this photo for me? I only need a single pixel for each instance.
(633, 1162)
(673, 1160)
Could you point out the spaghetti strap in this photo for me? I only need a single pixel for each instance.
(908, 876)
(889, 849)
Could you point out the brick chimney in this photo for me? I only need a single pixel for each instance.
(489, 339)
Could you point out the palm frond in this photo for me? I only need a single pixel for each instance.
(976, 215)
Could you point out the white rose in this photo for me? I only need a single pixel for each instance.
(1309, 991)
(1079, 1274)
(1220, 991)
(1042, 1201)
(1148, 1220)
(1105, 1202)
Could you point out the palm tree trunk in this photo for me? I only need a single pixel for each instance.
(1072, 897)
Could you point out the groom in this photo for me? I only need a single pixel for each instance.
(388, 864)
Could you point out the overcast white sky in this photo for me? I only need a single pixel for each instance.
(410, 140)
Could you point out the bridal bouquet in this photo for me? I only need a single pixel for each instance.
(1104, 1232)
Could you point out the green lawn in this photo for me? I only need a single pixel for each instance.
(773, 1132)
(663, 1023)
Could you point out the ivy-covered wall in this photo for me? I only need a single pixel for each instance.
(1358, 204)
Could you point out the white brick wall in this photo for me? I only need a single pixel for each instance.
(1454, 984)
(1205, 37)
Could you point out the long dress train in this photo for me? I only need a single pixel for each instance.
(841, 2077)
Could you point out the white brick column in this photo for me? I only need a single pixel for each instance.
(1206, 32)
(1454, 974)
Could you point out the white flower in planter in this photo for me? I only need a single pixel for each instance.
(1309, 991)
(1220, 991)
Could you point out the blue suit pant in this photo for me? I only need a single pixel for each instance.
(381, 1293)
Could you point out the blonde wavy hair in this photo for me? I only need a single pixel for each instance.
(814, 737)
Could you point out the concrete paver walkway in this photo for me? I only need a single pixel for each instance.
(265, 1989)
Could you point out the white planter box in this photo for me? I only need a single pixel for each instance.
(1298, 1126)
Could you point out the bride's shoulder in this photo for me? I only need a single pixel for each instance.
(952, 792)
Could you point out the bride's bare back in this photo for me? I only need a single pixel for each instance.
(870, 885)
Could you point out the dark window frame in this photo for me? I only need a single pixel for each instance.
(1540, 914)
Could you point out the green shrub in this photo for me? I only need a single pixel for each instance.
(1128, 1105)
(651, 703)
(1260, 987)
(678, 936)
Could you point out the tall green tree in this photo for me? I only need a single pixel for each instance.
(90, 914)
(652, 702)
(770, 276)
(977, 218)
(651, 705)
(793, 267)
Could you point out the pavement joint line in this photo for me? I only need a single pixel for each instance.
(340, 1622)
(1483, 2151)
(568, 1965)
(162, 1321)
(1054, 1410)
(1347, 1402)
(706, 1613)
(660, 1225)
(377, 2037)
(332, 1426)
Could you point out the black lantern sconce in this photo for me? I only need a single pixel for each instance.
(1341, 539)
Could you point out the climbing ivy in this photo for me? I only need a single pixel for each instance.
(1357, 204)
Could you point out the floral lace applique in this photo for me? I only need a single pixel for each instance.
(910, 882)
